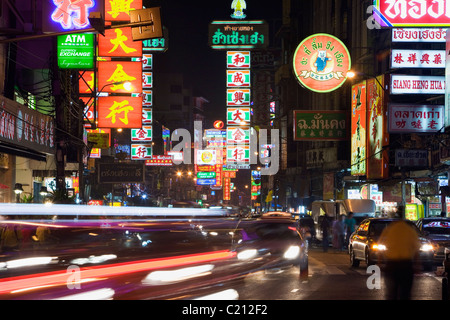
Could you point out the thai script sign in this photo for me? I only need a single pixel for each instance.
(417, 58)
(411, 158)
(418, 34)
(75, 51)
(159, 160)
(320, 125)
(396, 13)
(411, 84)
(22, 126)
(238, 34)
(121, 173)
(321, 62)
(405, 118)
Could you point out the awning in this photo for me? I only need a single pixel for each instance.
(22, 152)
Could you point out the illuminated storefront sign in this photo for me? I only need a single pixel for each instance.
(119, 112)
(142, 134)
(119, 10)
(86, 82)
(418, 34)
(238, 135)
(64, 15)
(119, 43)
(147, 98)
(358, 129)
(238, 78)
(238, 116)
(141, 151)
(76, 51)
(320, 125)
(321, 63)
(238, 59)
(238, 34)
(147, 80)
(411, 158)
(239, 154)
(111, 72)
(377, 131)
(238, 97)
(397, 13)
(415, 118)
(147, 115)
(157, 44)
(411, 84)
(206, 157)
(417, 58)
(159, 160)
(147, 61)
(238, 6)
(22, 126)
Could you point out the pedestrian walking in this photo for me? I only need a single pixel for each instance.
(350, 225)
(338, 233)
(325, 226)
(402, 248)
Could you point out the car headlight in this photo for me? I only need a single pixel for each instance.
(292, 252)
(379, 247)
(426, 247)
(247, 254)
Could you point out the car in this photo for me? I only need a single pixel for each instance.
(364, 245)
(437, 231)
(137, 252)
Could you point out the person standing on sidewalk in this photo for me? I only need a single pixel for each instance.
(350, 225)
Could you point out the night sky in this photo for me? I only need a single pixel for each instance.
(189, 52)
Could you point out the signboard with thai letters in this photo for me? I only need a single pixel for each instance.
(411, 158)
(418, 34)
(22, 126)
(404, 118)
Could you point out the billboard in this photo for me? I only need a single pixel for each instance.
(75, 51)
(358, 129)
(320, 125)
(321, 62)
(119, 112)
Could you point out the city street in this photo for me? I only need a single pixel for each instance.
(330, 278)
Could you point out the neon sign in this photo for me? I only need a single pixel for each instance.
(64, 15)
(395, 13)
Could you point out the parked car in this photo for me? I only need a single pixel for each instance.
(437, 232)
(364, 245)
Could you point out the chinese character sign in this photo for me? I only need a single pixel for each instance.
(112, 72)
(358, 129)
(238, 116)
(238, 59)
(119, 10)
(142, 134)
(119, 112)
(238, 78)
(141, 151)
(238, 97)
(64, 15)
(417, 58)
(415, 118)
(119, 43)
